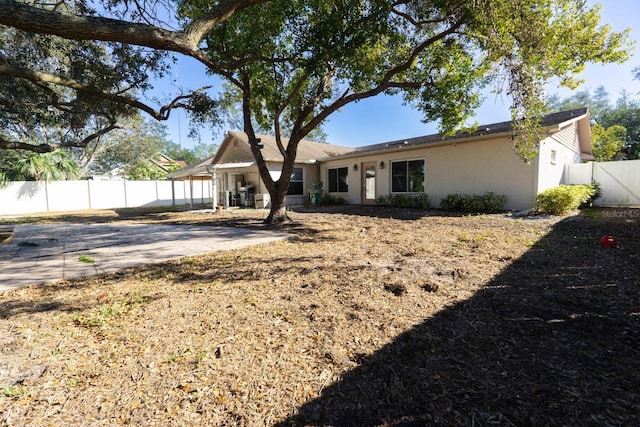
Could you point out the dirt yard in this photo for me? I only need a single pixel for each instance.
(369, 317)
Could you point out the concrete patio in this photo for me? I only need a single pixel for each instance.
(41, 254)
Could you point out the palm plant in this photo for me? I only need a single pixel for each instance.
(52, 166)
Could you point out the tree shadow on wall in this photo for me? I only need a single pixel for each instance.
(554, 339)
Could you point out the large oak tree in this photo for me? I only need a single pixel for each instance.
(295, 62)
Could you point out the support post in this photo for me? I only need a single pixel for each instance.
(214, 195)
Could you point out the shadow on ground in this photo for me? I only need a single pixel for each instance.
(374, 211)
(552, 340)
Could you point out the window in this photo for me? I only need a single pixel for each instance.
(407, 176)
(296, 185)
(554, 154)
(338, 180)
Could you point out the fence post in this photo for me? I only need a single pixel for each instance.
(173, 192)
(89, 193)
(46, 194)
(126, 202)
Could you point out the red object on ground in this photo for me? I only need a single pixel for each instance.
(608, 242)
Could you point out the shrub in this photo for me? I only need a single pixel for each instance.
(597, 193)
(418, 201)
(564, 198)
(453, 202)
(330, 200)
(476, 203)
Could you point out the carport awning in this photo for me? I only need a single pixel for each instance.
(206, 170)
(233, 165)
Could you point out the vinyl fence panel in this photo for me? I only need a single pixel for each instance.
(619, 181)
(18, 198)
(23, 198)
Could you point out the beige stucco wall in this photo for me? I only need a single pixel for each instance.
(480, 167)
(565, 144)
(468, 168)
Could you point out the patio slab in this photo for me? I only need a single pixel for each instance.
(41, 254)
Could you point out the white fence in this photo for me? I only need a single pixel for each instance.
(38, 196)
(619, 181)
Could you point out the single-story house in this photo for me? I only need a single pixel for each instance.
(467, 163)
(235, 177)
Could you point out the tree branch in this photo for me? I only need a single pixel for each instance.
(33, 19)
(386, 82)
(38, 78)
(47, 148)
(197, 29)
(414, 21)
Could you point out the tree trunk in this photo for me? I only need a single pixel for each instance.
(278, 211)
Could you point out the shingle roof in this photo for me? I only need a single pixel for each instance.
(490, 129)
(307, 150)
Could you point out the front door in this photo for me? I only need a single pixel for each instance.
(368, 190)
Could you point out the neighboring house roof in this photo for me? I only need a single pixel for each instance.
(165, 162)
(236, 152)
(550, 122)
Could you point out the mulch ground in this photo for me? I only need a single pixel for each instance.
(370, 316)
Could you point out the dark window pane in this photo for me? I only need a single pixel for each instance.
(408, 176)
(416, 176)
(338, 180)
(343, 187)
(296, 175)
(295, 189)
(296, 186)
(333, 180)
(399, 177)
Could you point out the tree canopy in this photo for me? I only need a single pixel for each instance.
(296, 62)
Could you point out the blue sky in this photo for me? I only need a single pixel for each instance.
(384, 118)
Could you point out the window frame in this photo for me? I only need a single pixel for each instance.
(338, 188)
(297, 183)
(407, 175)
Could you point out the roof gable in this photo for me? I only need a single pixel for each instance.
(235, 148)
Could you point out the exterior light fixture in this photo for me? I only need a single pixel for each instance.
(381, 165)
(355, 167)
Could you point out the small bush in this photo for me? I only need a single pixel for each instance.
(330, 200)
(597, 193)
(476, 203)
(564, 198)
(418, 201)
(452, 203)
